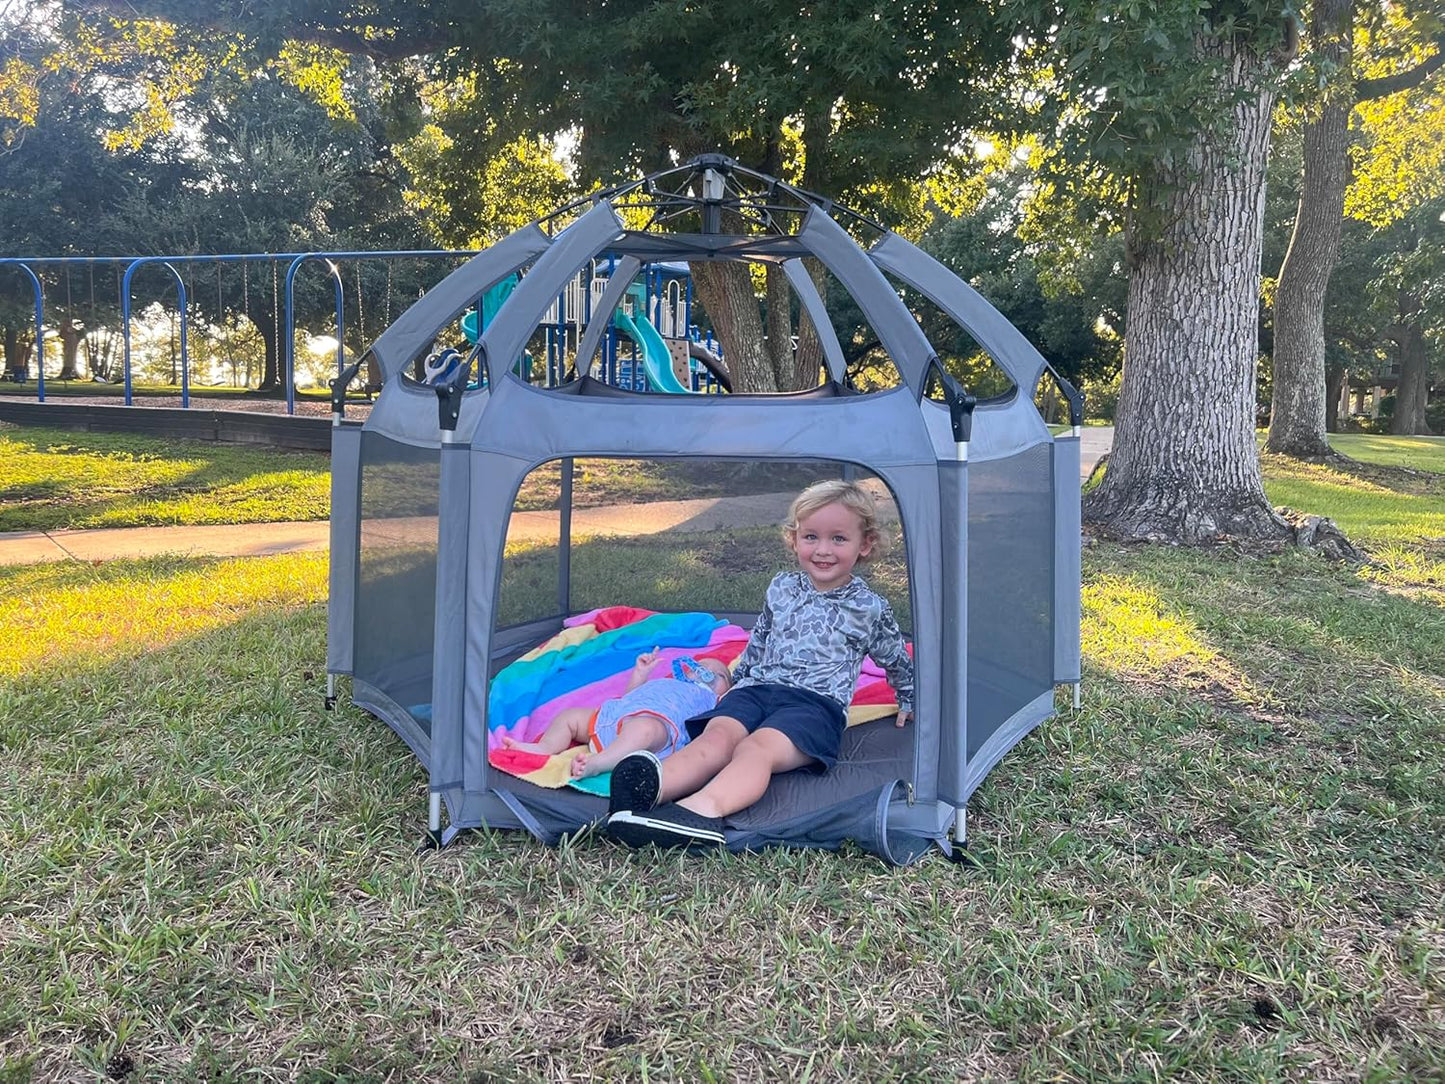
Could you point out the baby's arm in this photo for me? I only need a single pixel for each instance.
(645, 664)
(890, 651)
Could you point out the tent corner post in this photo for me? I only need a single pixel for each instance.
(433, 841)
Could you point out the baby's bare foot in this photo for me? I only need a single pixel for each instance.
(579, 766)
(523, 746)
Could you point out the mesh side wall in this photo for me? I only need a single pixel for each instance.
(653, 533)
(1010, 588)
(396, 590)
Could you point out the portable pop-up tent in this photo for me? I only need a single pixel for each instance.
(988, 500)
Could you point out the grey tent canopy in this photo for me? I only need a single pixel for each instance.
(424, 494)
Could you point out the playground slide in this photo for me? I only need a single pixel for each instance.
(656, 358)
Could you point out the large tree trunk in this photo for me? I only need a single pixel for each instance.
(780, 326)
(809, 361)
(1414, 390)
(263, 319)
(1335, 376)
(1184, 465)
(70, 336)
(1297, 418)
(13, 361)
(726, 291)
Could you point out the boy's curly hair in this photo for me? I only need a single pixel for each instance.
(851, 496)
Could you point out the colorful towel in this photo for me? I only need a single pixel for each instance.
(565, 670)
(569, 666)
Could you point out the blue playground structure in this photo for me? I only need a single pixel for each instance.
(649, 344)
(647, 361)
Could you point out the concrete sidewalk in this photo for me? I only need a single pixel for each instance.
(261, 539)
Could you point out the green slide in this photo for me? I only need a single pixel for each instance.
(656, 358)
(491, 302)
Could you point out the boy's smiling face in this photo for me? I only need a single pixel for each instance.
(829, 543)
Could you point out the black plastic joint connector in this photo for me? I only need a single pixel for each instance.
(449, 402)
(720, 162)
(1076, 401)
(339, 384)
(960, 414)
(960, 402)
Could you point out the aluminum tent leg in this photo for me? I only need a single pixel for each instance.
(433, 841)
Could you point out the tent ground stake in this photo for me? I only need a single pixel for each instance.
(1078, 686)
(330, 692)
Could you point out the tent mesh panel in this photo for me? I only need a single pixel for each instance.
(1010, 588)
(396, 593)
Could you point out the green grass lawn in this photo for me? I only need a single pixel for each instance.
(1372, 508)
(1416, 453)
(54, 478)
(1227, 865)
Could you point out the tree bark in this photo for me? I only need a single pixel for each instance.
(70, 336)
(1335, 376)
(1184, 465)
(809, 360)
(780, 327)
(1298, 414)
(13, 361)
(263, 319)
(1414, 388)
(726, 291)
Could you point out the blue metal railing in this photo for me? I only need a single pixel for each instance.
(39, 325)
(285, 348)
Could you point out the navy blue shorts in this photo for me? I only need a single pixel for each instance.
(812, 722)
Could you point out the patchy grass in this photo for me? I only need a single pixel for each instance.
(1227, 865)
(1377, 509)
(60, 479)
(1412, 453)
(56, 479)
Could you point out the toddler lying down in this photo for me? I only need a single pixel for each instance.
(648, 715)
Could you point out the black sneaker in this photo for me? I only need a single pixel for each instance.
(667, 826)
(636, 783)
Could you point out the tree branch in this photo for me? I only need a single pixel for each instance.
(1367, 90)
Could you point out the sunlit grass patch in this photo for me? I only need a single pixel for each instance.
(73, 616)
(1409, 569)
(1416, 453)
(58, 479)
(1364, 510)
(1131, 631)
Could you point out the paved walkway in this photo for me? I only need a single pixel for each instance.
(258, 539)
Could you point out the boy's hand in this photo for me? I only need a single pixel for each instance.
(646, 662)
(903, 718)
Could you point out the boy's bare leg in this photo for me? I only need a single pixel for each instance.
(567, 728)
(700, 759)
(641, 731)
(741, 782)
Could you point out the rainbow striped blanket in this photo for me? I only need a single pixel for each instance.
(590, 661)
